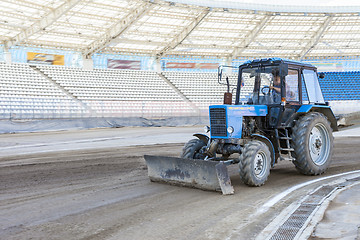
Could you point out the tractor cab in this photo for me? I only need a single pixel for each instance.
(283, 86)
(276, 81)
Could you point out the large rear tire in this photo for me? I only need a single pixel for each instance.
(312, 141)
(255, 162)
(193, 149)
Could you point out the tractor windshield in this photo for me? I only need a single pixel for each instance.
(260, 86)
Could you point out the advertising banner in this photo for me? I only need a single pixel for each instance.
(123, 64)
(45, 58)
(192, 65)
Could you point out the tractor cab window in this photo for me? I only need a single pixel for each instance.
(260, 86)
(292, 86)
(312, 86)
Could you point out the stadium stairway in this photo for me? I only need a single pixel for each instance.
(179, 92)
(62, 89)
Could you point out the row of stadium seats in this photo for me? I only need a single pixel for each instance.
(341, 86)
(30, 108)
(112, 84)
(140, 109)
(202, 89)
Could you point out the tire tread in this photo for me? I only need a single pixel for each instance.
(299, 138)
(191, 147)
(245, 163)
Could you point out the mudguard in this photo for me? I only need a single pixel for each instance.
(324, 109)
(268, 142)
(202, 137)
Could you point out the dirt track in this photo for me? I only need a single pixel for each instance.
(105, 194)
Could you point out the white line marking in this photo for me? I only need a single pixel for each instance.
(62, 143)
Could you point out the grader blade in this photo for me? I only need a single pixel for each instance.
(206, 175)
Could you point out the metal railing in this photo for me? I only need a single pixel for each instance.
(37, 108)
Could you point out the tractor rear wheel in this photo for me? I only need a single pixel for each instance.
(193, 149)
(254, 165)
(312, 141)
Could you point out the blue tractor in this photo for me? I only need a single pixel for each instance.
(279, 113)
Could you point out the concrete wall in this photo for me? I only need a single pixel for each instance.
(345, 107)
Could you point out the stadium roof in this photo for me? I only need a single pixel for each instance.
(182, 28)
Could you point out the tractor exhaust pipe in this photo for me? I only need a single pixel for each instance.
(228, 94)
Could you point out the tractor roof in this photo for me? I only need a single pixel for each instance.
(275, 61)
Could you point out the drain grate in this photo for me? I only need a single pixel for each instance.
(318, 195)
(291, 226)
(298, 218)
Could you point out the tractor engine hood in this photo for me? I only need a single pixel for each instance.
(226, 120)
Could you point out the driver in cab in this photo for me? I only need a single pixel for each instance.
(276, 88)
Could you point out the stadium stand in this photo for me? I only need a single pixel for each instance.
(25, 94)
(65, 92)
(49, 92)
(120, 93)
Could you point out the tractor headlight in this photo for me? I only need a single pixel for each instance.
(230, 130)
(206, 129)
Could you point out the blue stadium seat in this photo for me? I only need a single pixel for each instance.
(341, 86)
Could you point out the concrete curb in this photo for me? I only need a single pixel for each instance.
(348, 119)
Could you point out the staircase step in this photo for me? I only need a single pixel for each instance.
(286, 158)
(287, 149)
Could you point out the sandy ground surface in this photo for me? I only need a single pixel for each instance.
(66, 186)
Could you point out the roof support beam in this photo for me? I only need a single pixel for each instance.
(41, 24)
(251, 37)
(184, 33)
(117, 29)
(316, 37)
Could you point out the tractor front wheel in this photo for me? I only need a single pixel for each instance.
(254, 164)
(193, 149)
(313, 144)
